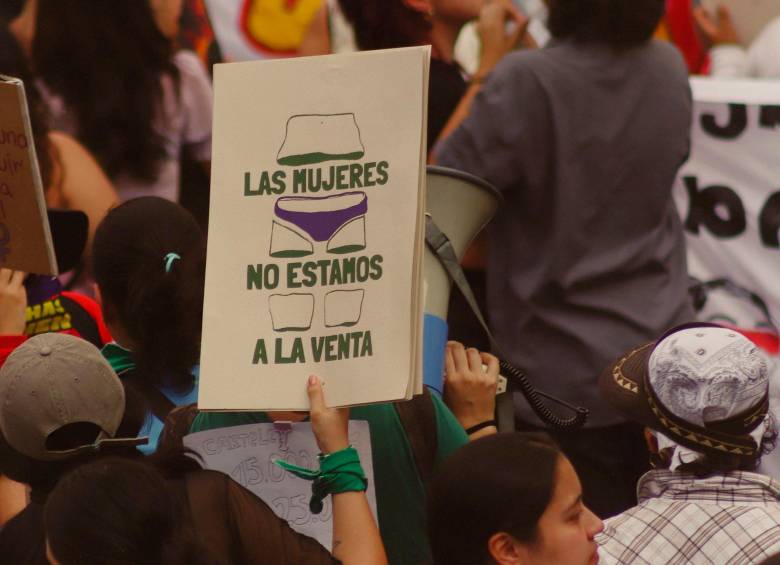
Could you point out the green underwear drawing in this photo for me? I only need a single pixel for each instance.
(315, 138)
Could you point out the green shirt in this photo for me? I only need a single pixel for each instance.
(400, 496)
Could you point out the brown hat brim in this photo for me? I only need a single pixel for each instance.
(624, 384)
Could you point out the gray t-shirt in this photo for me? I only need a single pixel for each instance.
(587, 256)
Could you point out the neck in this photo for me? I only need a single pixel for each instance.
(443, 36)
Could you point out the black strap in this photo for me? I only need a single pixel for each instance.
(418, 418)
(442, 247)
(82, 321)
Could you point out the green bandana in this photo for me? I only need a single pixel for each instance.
(120, 359)
(339, 471)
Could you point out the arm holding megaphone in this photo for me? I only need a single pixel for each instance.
(470, 383)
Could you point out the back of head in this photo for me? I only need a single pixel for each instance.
(703, 390)
(106, 60)
(500, 483)
(61, 404)
(617, 23)
(149, 262)
(115, 511)
(384, 24)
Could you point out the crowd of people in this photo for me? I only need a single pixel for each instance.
(586, 290)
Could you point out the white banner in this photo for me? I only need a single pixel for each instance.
(728, 195)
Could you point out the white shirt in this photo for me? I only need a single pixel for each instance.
(760, 60)
(185, 120)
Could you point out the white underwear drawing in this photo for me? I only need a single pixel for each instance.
(291, 312)
(315, 138)
(343, 307)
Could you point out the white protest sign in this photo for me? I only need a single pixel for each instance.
(728, 192)
(316, 231)
(25, 239)
(247, 454)
(728, 195)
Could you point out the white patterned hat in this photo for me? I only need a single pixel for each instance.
(704, 386)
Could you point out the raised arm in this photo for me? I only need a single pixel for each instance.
(356, 537)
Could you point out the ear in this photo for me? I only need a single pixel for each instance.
(651, 441)
(422, 6)
(505, 550)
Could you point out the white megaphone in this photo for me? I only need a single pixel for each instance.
(460, 205)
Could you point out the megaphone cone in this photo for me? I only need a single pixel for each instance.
(460, 205)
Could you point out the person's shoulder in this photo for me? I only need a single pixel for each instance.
(667, 55)
(189, 64)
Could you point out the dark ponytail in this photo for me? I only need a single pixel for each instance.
(156, 297)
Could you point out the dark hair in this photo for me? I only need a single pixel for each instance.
(119, 512)
(383, 24)
(618, 23)
(500, 483)
(160, 311)
(713, 463)
(13, 63)
(106, 60)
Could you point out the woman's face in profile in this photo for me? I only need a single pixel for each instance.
(566, 530)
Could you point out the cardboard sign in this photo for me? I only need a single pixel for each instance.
(247, 454)
(25, 238)
(316, 231)
(750, 16)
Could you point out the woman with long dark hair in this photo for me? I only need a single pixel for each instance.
(510, 499)
(111, 78)
(149, 262)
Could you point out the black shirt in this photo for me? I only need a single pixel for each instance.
(446, 87)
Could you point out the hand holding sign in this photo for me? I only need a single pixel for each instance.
(328, 424)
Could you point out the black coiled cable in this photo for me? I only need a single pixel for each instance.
(534, 398)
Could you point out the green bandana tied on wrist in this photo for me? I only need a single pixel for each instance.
(340, 471)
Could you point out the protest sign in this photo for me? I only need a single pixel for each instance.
(728, 194)
(315, 231)
(247, 454)
(25, 238)
(750, 16)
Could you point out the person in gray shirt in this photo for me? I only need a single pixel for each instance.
(587, 256)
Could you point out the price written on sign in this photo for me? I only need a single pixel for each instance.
(247, 453)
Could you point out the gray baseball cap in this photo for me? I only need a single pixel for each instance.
(56, 380)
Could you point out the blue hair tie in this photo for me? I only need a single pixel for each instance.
(169, 259)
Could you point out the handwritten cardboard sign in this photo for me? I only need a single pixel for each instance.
(25, 239)
(247, 453)
(315, 234)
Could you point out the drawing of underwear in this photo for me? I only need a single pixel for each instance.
(343, 307)
(314, 138)
(299, 221)
(291, 312)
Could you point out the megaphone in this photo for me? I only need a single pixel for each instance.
(458, 206)
(461, 205)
